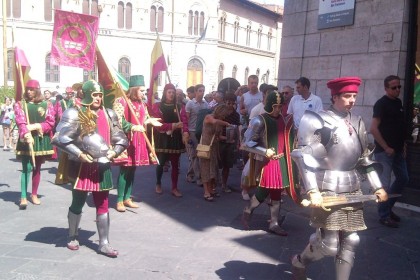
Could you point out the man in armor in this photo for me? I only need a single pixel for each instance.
(268, 139)
(332, 150)
(92, 136)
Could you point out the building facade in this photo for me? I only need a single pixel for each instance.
(203, 41)
(381, 40)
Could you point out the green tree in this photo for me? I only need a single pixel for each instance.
(6, 92)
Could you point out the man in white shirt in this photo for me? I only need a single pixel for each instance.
(305, 100)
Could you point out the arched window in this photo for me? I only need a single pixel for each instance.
(259, 38)
(201, 22)
(120, 14)
(267, 76)
(220, 73)
(124, 68)
(86, 7)
(17, 8)
(194, 72)
(257, 73)
(196, 23)
(90, 74)
(246, 76)
(156, 18)
(248, 35)
(153, 12)
(129, 16)
(234, 71)
(52, 72)
(222, 28)
(235, 32)
(269, 36)
(190, 22)
(94, 8)
(10, 63)
(48, 8)
(161, 14)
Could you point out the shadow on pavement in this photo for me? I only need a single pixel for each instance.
(58, 237)
(253, 270)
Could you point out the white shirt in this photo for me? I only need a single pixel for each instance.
(251, 100)
(298, 105)
(257, 110)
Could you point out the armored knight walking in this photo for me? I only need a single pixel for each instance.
(332, 152)
(269, 140)
(92, 136)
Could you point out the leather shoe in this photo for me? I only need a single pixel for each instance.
(395, 217)
(129, 203)
(389, 222)
(23, 203)
(35, 200)
(120, 207)
(176, 193)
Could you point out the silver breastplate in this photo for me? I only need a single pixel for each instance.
(344, 149)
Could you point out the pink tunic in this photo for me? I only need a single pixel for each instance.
(136, 153)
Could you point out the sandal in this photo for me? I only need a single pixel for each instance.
(158, 189)
(209, 198)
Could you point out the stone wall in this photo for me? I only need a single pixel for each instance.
(374, 47)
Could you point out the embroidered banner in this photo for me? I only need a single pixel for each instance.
(74, 39)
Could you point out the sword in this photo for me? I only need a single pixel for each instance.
(328, 201)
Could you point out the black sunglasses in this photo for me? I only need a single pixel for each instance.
(396, 87)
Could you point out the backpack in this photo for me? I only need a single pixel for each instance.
(199, 124)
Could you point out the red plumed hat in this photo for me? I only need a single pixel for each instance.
(344, 84)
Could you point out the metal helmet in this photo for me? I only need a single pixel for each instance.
(89, 88)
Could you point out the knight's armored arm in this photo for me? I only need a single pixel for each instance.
(307, 174)
(366, 165)
(311, 152)
(253, 136)
(118, 138)
(68, 131)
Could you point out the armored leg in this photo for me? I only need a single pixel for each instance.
(102, 222)
(74, 221)
(246, 215)
(345, 255)
(322, 243)
(274, 226)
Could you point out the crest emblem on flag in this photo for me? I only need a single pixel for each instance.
(74, 39)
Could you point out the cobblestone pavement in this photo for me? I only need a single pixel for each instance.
(180, 238)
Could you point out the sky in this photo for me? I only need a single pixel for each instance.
(278, 2)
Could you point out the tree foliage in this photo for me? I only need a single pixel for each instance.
(6, 92)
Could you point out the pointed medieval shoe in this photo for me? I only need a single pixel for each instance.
(130, 204)
(108, 251)
(35, 200)
(120, 207)
(176, 193)
(23, 203)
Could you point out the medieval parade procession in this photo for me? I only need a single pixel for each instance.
(250, 162)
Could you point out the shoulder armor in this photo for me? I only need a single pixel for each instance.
(309, 124)
(253, 133)
(69, 117)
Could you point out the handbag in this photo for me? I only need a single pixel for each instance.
(203, 151)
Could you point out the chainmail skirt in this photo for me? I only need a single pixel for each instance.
(342, 217)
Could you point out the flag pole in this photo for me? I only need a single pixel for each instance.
(25, 109)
